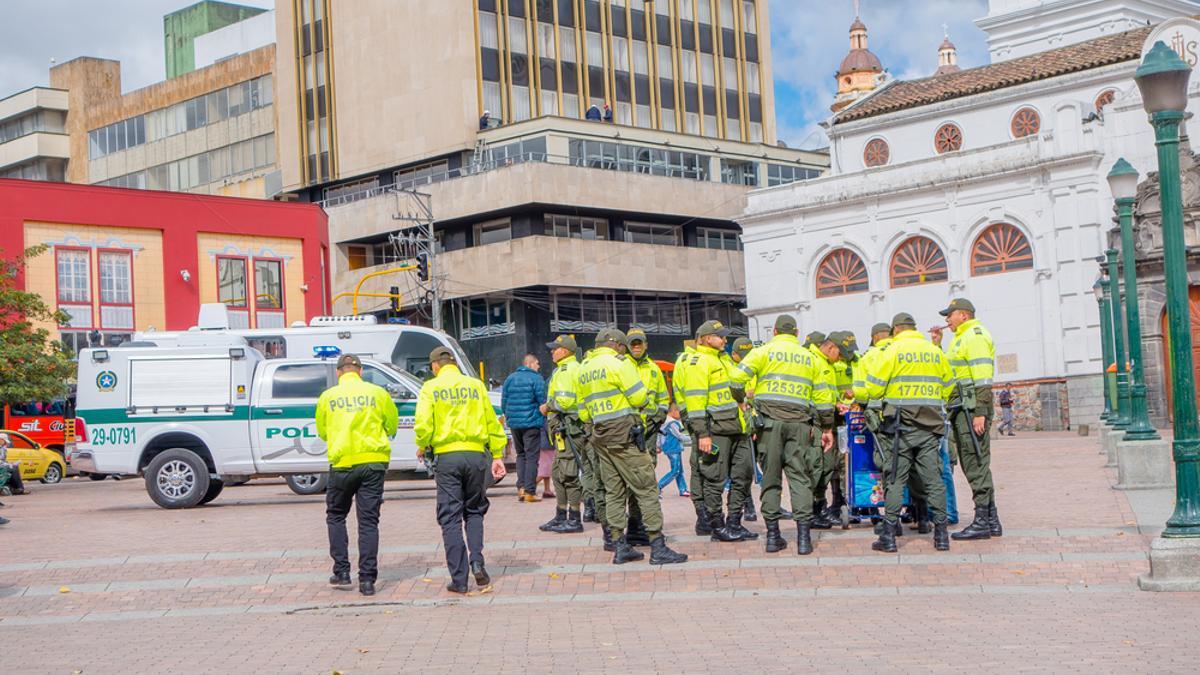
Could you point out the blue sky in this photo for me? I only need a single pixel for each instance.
(809, 39)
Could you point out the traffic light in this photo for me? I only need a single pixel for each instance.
(423, 266)
(395, 291)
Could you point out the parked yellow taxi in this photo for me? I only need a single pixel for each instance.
(36, 462)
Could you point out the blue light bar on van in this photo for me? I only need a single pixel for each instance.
(326, 351)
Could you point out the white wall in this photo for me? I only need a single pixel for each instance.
(237, 38)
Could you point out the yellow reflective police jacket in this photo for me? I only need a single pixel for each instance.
(783, 372)
(707, 388)
(355, 419)
(677, 379)
(658, 399)
(973, 359)
(561, 391)
(455, 414)
(912, 375)
(825, 391)
(866, 363)
(609, 388)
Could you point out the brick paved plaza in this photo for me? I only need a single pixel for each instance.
(95, 579)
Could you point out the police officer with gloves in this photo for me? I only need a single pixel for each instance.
(567, 434)
(355, 419)
(912, 378)
(455, 421)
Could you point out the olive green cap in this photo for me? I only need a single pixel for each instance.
(880, 328)
(844, 340)
(958, 303)
(814, 338)
(440, 353)
(785, 323)
(349, 360)
(712, 327)
(565, 342)
(903, 319)
(743, 346)
(636, 335)
(611, 335)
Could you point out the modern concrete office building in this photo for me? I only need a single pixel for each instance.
(33, 138)
(546, 221)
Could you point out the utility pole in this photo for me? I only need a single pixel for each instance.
(416, 240)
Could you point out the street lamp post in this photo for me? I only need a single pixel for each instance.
(1101, 290)
(1122, 181)
(1114, 282)
(1163, 80)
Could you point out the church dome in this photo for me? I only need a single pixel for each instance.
(860, 61)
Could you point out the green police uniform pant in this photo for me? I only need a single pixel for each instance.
(730, 460)
(697, 480)
(568, 489)
(976, 467)
(920, 452)
(792, 449)
(627, 470)
(593, 485)
(829, 460)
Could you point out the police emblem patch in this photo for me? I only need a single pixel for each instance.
(106, 381)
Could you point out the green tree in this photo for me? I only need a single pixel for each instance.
(33, 367)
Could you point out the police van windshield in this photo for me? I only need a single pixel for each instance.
(412, 349)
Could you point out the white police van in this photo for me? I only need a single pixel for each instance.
(212, 409)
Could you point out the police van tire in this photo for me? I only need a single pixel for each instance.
(97, 476)
(177, 479)
(214, 488)
(307, 483)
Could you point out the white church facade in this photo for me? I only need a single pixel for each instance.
(987, 183)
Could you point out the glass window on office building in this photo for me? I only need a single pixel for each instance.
(782, 174)
(493, 231)
(231, 281)
(576, 227)
(725, 240)
(650, 233)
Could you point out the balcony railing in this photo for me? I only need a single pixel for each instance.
(606, 162)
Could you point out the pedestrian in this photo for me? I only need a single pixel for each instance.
(486, 120)
(653, 416)
(670, 441)
(718, 424)
(1005, 399)
(568, 436)
(608, 116)
(545, 463)
(14, 484)
(355, 419)
(521, 399)
(788, 443)
(912, 379)
(611, 394)
(456, 422)
(593, 113)
(972, 357)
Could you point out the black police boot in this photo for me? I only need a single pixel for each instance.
(702, 521)
(980, 528)
(626, 553)
(820, 518)
(481, 575)
(750, 513)
(775, 540)
(589, 511)
(804, 538)
(721, 530)
(609, 544)
(887, 538)
(749, 535)
(924, 525)
(560, 517)
(366, 587)
(635, 532)
(994, 521)
(571, 525)
(340, 580)
(941, 537)
(661, 554)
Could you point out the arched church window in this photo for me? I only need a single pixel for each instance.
(1107, 96)
(840, 272)
(918, 261)
(948, 138)
(1000, 248)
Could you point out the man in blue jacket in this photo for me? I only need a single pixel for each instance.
(521, 398)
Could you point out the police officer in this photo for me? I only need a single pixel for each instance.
(716, 421)
(455, 421)
(703, 527)
(566, 432)
(611, 394)
(742, 347)
(825, 396)
(653, 416)
(789, 441)
(355, 419)
(972, 358)
(913, 380)
(844, 374)
(591, 461)
(881, 337)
